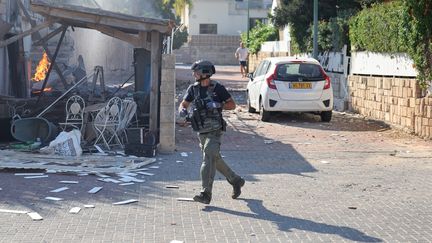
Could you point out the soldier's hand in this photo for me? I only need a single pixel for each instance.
(183, 112)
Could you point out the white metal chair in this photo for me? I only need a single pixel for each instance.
(106, 123)
(75, 106)
(129, 108)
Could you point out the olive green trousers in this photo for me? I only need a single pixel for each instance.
(212, 160)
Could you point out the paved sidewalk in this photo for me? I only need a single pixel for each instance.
(307, 181)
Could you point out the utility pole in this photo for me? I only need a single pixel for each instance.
(247, 24)
(315, 29)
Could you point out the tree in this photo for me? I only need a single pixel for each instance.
(177, 5)
(299, 15)
(420, 38)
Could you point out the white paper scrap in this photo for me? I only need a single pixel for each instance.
(95, 189)
(54, 198)
(184, 154)
(35, 216)
(154, 167)
(35, 177)
(145, 173)
(127, 174)
(126, 202)
(142, 169)
(324, 162)
(179, 161)
(69, 182)
(75, 210)
(60, 189)
(89, 206)
(12, 211)
(102, 175)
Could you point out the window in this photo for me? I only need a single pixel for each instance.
(253, 22)
(294, 71)
(208, 29)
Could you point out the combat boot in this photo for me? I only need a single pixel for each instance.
(203, 197)
(237, 185)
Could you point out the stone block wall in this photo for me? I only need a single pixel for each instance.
(255, 59)
(396, 101)
(218, 49)
(167, 104)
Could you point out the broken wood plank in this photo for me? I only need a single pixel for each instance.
(126, 202)
(35, 216)
(25, 33)
(95, 189)
(60, 189)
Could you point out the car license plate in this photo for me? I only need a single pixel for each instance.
(301, 85)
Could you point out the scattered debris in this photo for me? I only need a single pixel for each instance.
(324, 162)
(179, 161)
(154, 167)
(145, 173)
(69, 182)
(109, 180)
(29, 174)
(12, 211)
(268, 141)
(185, 199)
(95, 189)
(172, 186)
(75, 210)
(60, 189)
(54, 198)
(127, 184)
(126, 202)
(35, 216)
(351, 207)
(35, 177)
(184, 154)
(89, 206)
(176, 241)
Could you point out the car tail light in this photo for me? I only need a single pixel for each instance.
(327, 79)
(270, 80)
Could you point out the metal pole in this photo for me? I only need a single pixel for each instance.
(315, 29)
(247, 35)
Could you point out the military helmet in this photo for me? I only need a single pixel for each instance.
(204, 68)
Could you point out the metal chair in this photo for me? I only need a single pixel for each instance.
(106, 123)
(129, 108)
(75, 106)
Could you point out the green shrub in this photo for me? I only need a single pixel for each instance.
(180, 37)
(258, 35)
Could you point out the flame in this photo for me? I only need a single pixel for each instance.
(42, 68)
(49, 89)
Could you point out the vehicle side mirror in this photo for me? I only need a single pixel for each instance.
(250, 75)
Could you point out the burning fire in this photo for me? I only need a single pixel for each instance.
(41, 69)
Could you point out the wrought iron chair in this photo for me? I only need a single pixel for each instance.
(106, 123)
(75, 106)
(129, 108)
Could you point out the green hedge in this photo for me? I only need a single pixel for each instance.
(381, 28)
(258, 35)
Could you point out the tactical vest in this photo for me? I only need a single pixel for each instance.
(205, 120)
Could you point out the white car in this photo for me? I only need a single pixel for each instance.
(290, 84)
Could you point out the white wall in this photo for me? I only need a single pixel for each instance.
(229, 20)
(383, 64)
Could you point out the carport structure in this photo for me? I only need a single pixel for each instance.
(145, 34)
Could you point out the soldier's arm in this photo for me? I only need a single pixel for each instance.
(184, 104)
(229, 104)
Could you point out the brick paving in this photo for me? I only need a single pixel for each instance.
(351, 180)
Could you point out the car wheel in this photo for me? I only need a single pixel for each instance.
(326, 116)
(264, 115)
(250, 108)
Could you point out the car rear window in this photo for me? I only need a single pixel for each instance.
(299, 72)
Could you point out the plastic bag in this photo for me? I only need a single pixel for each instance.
(66, 144)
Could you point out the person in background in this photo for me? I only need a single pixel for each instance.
(242, 54)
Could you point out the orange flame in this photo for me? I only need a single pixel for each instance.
(42, 69)
(49, 89)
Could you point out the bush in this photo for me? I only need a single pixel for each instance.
(258, 35)
(180, 37)
(381, 28)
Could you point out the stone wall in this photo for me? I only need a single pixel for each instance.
(396, 101)
(218, 49)
(167, 104)
(255, 59)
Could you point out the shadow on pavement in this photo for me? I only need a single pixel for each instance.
(287, 223)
